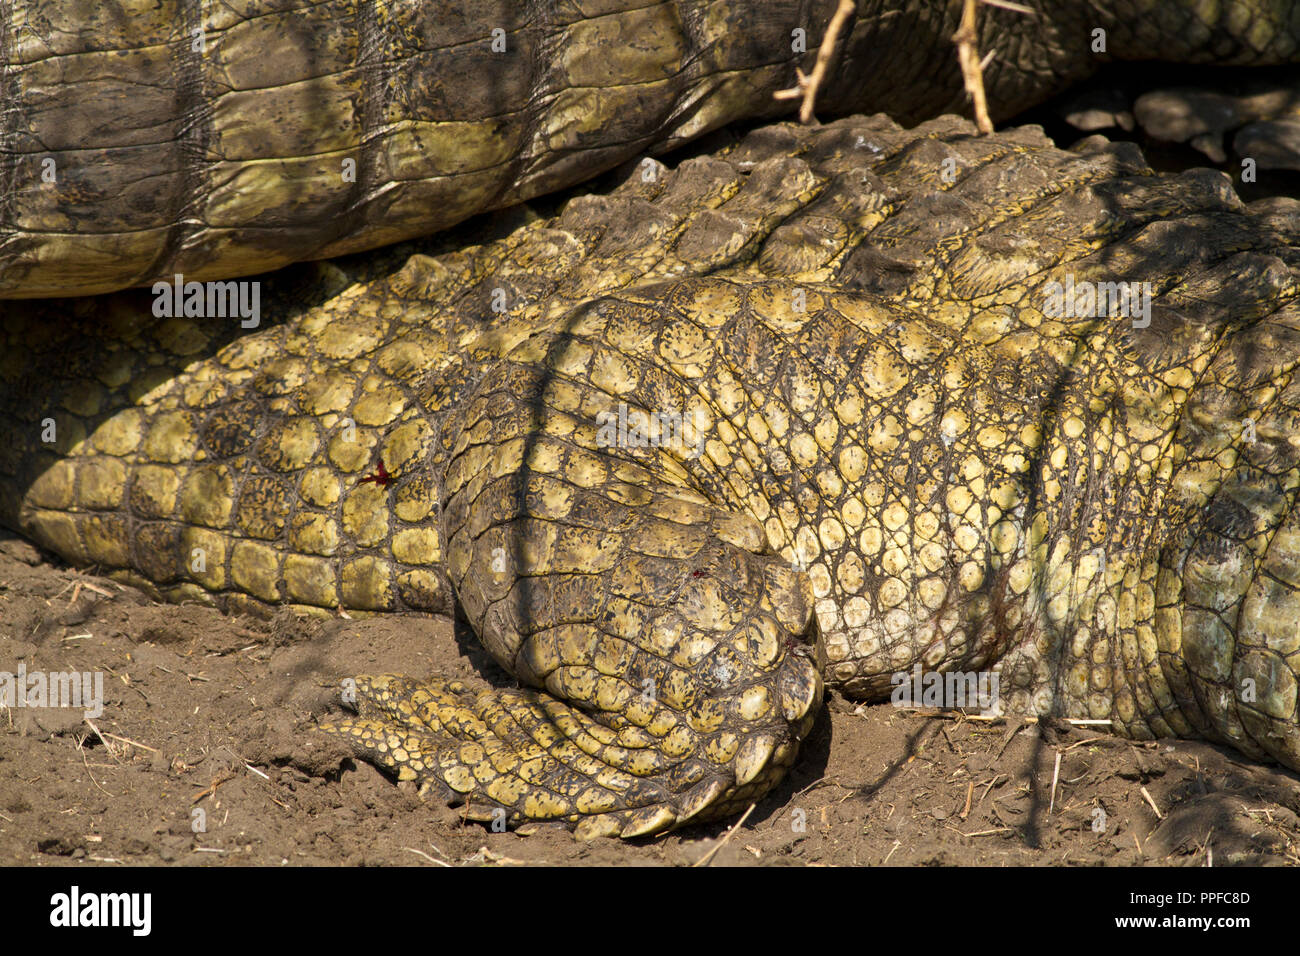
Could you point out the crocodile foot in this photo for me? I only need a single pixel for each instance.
(513, 756)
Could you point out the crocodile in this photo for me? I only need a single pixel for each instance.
(825, 406)
(144, 138)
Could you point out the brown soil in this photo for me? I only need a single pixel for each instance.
(218, 713)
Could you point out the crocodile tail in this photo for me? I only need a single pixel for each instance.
(203, 461)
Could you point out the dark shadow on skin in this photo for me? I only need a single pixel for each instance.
(484, 663)
(809, 767)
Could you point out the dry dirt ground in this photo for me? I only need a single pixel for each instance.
(205, 755)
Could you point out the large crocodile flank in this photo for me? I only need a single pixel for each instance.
(144, 138)
(820, 408)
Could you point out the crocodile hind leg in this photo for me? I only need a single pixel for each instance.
(661, 632)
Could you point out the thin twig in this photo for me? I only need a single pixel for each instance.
(133, 743)
(82, 750)
(704, 860)
(107, 746)
(807, 85)
(224, 777)
(954, 714)
(972, 67)
(985, 832)
(992, 784)
(411, 849)
(968, 56)
(1056, 775)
